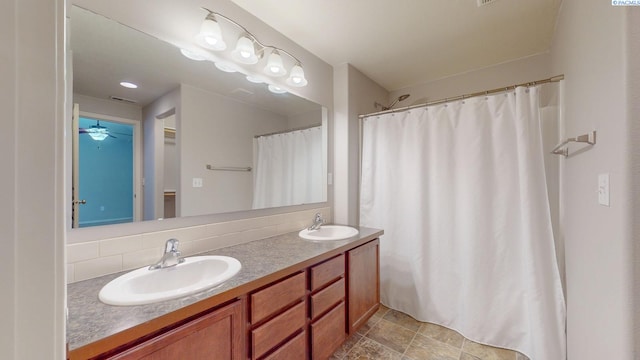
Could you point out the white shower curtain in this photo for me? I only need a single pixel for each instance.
(288, 168)
(460, 192)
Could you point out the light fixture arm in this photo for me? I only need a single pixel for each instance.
(253, 37)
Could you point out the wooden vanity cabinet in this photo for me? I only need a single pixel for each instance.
(364, 283)
(278, 312)
(216, 335)
(327, 307)
(303, 315)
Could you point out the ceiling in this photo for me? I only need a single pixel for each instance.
(401, 43)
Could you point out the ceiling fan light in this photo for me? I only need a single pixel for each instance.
(245, 51)
(98, 133)
(275, 66)
(296, 78)
(210, 35)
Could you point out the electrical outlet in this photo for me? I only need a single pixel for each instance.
(197, 182)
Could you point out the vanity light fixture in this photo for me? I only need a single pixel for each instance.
(248, 50)
(276, 89)
(226, 67)
(255, 79)
(296, 78)
(275, 66)
(193, 55)
(245, 51)
(128, 85)
(210, 35)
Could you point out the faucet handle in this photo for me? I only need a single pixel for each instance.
(319, 217)
(172, 246)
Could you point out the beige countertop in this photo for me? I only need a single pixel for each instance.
(91, 320)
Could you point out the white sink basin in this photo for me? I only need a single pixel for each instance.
(329, 232)
(144, 286)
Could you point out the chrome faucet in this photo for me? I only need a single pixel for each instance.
(317, 222)
(171, 256)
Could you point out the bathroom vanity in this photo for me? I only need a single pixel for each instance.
(293, 299)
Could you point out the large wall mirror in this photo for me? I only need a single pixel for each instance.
(189, 140)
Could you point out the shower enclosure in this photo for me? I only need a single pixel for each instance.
(460, 190)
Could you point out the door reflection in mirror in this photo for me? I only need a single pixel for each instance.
(105, 164)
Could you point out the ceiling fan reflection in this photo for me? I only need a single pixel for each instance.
(99, 132)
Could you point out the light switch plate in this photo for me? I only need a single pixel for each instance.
(197, 182)
(603, 189)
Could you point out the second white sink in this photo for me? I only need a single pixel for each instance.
(144, 286)
(329, 232)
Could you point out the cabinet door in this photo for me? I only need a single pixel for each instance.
(328, 333)
(217, 335)
(363, 283)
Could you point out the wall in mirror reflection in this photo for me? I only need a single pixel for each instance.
(267, 159)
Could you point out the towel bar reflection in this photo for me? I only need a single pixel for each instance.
(228, 168)
(563, 149)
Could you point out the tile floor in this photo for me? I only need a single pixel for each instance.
(392, 335)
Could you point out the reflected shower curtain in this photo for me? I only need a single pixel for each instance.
(288, 168)
(460, 192)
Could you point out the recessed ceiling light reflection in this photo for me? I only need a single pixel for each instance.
(128, 85)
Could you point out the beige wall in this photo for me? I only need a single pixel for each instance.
(108, 107)
(218, 131)
(514, 72)
(153, 143)
(354, 94)
(590, 48)
(32, 257)
(305, 119)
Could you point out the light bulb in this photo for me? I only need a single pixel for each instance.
(274, 65)
(245, 52)
(210, 35)
(297, 76)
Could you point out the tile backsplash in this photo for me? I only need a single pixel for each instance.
(96, 258)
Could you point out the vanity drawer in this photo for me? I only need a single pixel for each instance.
(328, 333)
(268, 301)
(326, 298)
(295, 348)
(326, 272)
(270, 334)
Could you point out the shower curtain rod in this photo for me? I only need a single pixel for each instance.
(467, 96)
(288, 130)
